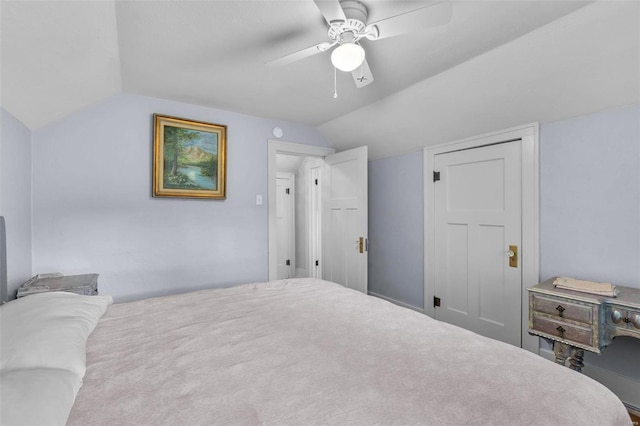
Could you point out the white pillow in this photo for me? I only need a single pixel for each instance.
(38, 396)
(49, 330)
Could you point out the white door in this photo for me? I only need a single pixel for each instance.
(477, 219)
(285, 233)
(315, 219)
(345, 219)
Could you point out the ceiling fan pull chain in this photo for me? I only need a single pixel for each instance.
(335, 83)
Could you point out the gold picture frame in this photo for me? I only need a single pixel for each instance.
(189, 158)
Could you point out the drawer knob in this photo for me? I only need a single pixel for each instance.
(560, 310)
(635, 320)
(616, 316)
(561, 330)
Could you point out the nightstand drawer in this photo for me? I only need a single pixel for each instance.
(563, 308)
(562, 330)
(622, 321)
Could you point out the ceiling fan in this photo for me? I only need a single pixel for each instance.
(347, 20)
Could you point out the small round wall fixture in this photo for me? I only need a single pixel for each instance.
(277, 132)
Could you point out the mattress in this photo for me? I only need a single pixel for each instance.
(307, 351)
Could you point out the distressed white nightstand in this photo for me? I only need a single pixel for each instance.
(86, 284)
(577, 321)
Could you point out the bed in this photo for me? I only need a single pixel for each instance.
(304, 351)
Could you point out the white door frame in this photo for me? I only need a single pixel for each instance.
(274, 148)
(530, 250)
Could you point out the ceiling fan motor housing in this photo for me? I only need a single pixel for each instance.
(355, 24)
(354, 10)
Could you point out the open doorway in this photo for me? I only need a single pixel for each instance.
(303, 163)
(298, 216)
(331, 230)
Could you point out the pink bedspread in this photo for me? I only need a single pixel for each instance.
(312, 352)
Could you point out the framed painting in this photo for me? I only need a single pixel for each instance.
(189, 158)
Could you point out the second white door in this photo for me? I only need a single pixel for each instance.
(477, 220)
(345, 219)
(285, 218)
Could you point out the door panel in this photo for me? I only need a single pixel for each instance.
(490, 265)
(457, 267)
(477, 216)
(478, 185)
(345, 218)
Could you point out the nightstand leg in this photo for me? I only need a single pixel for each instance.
(560, 350)
(575, 362)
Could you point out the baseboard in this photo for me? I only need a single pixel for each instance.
(397, 302)
(634, 411)
(625, 388)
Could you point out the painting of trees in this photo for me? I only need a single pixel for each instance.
(175, 140)
(189, 158)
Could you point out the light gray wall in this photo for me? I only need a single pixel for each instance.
(15, 198)
(396, 228)
(590, 209)
(93, 210)
(590, 197)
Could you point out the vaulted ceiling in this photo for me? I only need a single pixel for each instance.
(496, 64)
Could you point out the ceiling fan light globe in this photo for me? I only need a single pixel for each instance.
(347, 57)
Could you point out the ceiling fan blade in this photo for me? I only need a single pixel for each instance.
(426, 17)
(300, 54)
(362, 75)
(331, 10)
